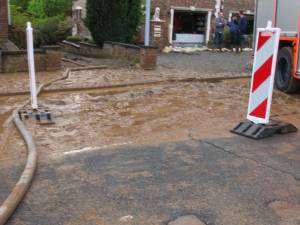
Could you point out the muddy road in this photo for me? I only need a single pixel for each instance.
(152, 146)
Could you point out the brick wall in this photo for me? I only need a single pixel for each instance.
(146, 56)
(165, 5)
(3, 19)
(47, 58)
(109, 49)
(237, 5)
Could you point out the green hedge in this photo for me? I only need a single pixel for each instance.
(49, 19)
(114, 20)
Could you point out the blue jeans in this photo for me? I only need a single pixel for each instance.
(218, 41)
(235, 38)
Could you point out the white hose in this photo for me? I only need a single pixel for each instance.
(19, 191)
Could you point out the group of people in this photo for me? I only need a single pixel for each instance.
(238, 28)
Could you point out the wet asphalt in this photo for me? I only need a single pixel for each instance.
(222, 181)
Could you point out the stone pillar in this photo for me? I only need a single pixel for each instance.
(52, 58)
(148, 57)
(158, 34)
(3, 19)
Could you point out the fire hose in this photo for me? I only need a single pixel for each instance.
(18, 192)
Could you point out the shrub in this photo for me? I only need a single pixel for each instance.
(114, 20)
(23, 4)
(50, 8)
(18, 37)
(20, 17)
(74, 39)
(64, 29)
(48, 18)
(53, 31)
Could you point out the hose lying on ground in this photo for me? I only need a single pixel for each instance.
(20, 189)
(17, 194)
(41, 87)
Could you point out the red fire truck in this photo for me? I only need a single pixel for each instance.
(284, 14)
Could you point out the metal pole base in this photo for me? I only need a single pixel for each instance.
(41, 115)
(260, 131)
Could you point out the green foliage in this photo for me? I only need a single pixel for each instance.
(114, 20)
(78, 39)
(20, 17)
(50, 8)
(53, 31)
(48, 17)
(36, 8)
(74, 39)
(23, 4)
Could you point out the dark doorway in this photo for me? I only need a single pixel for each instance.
(189, 22)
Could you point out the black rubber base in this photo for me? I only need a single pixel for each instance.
(260, 131)
(41, 115)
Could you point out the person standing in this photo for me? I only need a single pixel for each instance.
(243, 25)
(219, 31)
(234, 33)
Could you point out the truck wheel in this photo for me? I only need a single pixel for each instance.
(284, 79)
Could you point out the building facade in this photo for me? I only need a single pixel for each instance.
(181, 21)
(191, 21)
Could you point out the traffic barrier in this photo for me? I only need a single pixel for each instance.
(264, 67)
(258, 124)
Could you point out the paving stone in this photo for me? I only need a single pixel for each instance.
(187, 220)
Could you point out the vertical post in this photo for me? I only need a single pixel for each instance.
(208, 26)
(147, 22)
(31, 66)
(8, 13)
(274, 21)
(171, 27)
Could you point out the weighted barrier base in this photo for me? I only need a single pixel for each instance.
(41, 115)
(260, 131)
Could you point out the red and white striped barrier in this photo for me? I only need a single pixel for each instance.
(264, 66)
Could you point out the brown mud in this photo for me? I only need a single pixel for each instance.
(89, 119)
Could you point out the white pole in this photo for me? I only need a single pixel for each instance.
(171, 27)
(208, 27)
(31, 66)
(8, 12)
(147, 22)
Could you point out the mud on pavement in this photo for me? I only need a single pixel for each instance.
(153, 152)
